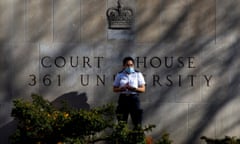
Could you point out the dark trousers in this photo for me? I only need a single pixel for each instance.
(129, 105)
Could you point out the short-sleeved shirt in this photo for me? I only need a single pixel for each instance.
(134, 79)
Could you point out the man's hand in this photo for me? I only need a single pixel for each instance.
(130, 88)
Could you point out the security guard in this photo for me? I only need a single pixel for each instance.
(129, 83)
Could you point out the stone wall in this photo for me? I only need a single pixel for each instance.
(187, 50)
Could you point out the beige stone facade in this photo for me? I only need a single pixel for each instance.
(188, 51)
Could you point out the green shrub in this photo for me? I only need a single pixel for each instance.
(123, 135)
(225, 140)
(40, 122)
(165, 139)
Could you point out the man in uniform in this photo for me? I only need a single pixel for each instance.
(129, 83)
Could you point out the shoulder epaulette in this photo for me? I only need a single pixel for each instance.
(121, 71)
(137, 71)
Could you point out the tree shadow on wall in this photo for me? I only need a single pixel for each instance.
(73, 100)
(6, 131)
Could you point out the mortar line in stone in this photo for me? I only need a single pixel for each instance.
(215, 21)
(107, 19)
(53, 21)
(80, 20)
(39, 65)
(188, 120)
(11, 19)
(25, 20)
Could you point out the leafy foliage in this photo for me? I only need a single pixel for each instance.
(123, 135)
(165, 139)
(225, 140)
(40, 122)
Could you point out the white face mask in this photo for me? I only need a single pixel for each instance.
(129, 70)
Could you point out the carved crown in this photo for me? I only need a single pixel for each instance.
(120, 17)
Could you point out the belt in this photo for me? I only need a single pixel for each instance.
(128, 94)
